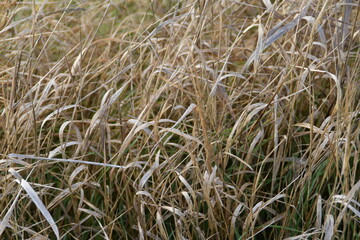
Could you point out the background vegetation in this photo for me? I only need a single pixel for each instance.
(199, 119)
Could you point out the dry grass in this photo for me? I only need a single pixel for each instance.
(180, 119)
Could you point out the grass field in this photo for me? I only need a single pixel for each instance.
(180, 119)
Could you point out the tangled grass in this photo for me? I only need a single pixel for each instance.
(180, 119)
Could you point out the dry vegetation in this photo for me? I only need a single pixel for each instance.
(180, 119)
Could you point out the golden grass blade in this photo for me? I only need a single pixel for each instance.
(329, 227)
(76, 65)
(184, 135)
(173, 210)
(267, 4)
(56, 112)
(148, 174)
(160, 224)
(269, 223)
(61, 148)
(91, 212)
(75, 173)
(23, 156)
(345, 201)
(36, 200)
(4, 223)
(319, 212)
(240, 160)
(7, 162)
(64, 193)
(236, 213)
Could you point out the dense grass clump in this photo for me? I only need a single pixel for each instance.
(180, 119)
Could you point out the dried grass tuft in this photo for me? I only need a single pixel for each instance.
(179, 119)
